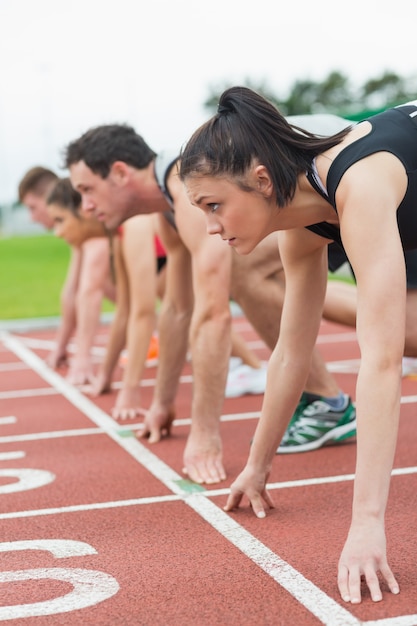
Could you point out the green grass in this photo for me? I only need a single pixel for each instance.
(346, 278)
(32, 273)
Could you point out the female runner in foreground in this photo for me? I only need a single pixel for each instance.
(252, 174)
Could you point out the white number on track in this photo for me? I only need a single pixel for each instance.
(89, 586)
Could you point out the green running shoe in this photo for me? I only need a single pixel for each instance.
(315, 423)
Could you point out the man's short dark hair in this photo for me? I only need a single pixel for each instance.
(37, 180)
(102, 146)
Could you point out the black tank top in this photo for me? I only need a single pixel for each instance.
(394, 131)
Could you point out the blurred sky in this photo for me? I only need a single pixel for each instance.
(68, 65)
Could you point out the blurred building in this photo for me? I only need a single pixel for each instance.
(15, 220)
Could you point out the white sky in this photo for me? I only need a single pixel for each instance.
(66, 65)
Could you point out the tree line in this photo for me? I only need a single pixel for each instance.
(335, 94)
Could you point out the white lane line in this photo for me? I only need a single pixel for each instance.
(146, 382)
(408, 399)
(327, 610)
(27, 393)
(49, 391)
(11, 456)
(228, 417)
(326, 480)
(13, 366)
(402, 620)
(311, 597)
(208, 493)
(94, 506)
(93, 412)
(49, 344)
(347, 337)
(312, 482)
(79, 432)
(54, 434)
(7, 419)
(348, 366)
(98, 352)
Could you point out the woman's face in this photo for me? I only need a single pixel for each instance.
(242, 218)
(66, 225)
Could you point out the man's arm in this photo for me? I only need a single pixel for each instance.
(173, 329)
(210, 338)
(140, 266)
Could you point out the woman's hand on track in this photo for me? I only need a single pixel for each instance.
(252, 484)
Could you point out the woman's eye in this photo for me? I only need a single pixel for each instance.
(213, 206)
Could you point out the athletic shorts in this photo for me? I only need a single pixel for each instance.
(160, 263)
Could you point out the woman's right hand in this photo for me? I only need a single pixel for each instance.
(57, 359)
(252, 484)
(100, 384)
(127, 404)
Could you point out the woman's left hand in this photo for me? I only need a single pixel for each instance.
(251, 483)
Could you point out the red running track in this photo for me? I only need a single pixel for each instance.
(100, 528)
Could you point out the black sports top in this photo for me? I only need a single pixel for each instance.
(394, 131)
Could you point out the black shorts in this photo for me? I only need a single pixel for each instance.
(411, 268)
(160, 263)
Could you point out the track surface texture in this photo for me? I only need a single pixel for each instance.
(98, 527)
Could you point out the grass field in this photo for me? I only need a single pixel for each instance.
(33, 269)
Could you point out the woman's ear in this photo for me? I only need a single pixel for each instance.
(263, 181)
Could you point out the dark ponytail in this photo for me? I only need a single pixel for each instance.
(248, 129)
